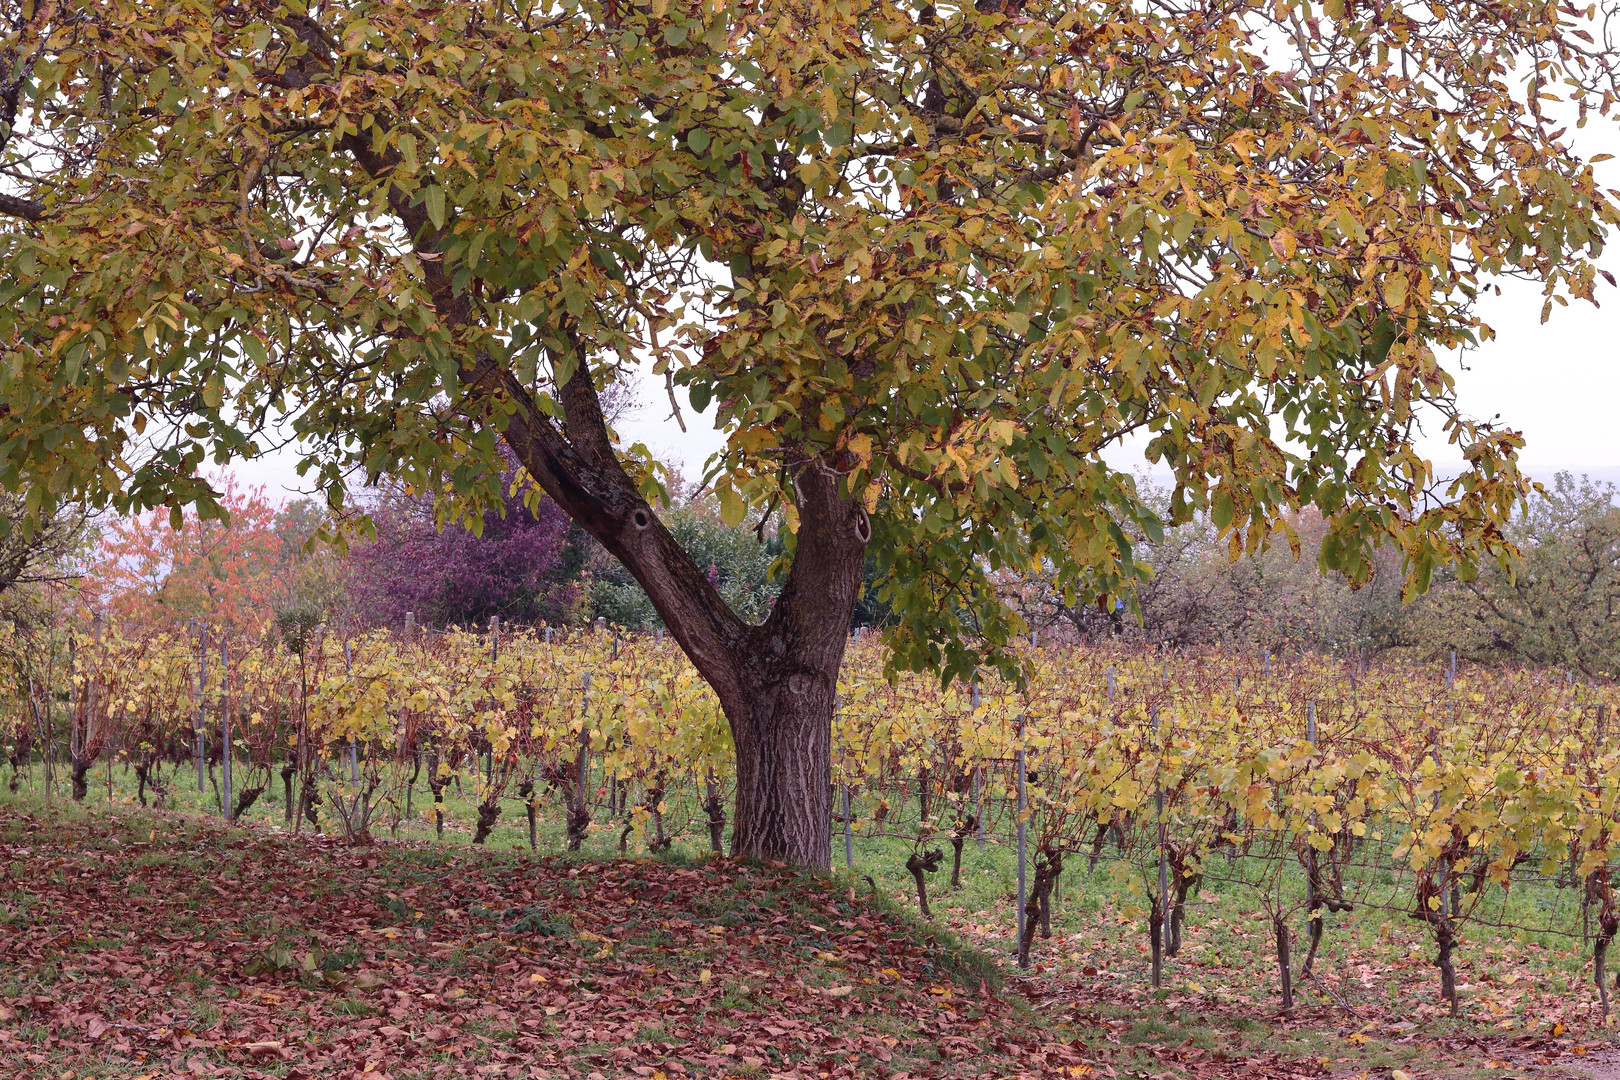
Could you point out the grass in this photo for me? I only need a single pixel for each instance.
(1375, 1008)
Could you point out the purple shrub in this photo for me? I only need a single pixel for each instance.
(454, 578)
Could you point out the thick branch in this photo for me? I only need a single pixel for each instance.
(594, 490)
(13, 206)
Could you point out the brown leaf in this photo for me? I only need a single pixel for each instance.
(266, 1050)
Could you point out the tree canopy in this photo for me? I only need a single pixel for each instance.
(968, 248)
(929, 262)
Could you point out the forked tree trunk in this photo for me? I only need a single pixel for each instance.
(776, 682)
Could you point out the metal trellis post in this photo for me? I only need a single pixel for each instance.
(1021, 892)
(354, 754)
(1164, 866)
(978, 788)
(202, 700)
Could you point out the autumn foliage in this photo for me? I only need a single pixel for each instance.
(230, 573)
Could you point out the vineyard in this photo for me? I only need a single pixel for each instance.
(1308, 792)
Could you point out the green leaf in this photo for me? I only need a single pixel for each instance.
(698, 394)
(698, 140)
(433, 197)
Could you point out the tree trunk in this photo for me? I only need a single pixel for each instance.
(715, 807)
(288, 771)
(1444, 941)
(1314, 927)
(309, 798)
(245, 799)
(776, 682)
(1178, 909)
(1097, 847)
(1600, 952)
(488, 811)
(531, 807)
(1601, 896)
(919, 864)
(1046, 905)
(784, 805)
(964, 826)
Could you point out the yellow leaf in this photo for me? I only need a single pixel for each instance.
(861, 447)
(1395, 292)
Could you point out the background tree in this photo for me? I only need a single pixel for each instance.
(1560, 606)
(34, 560)
(311, 573)
(929, 262)
(737, 560)
(1197, 595)
(260, 558)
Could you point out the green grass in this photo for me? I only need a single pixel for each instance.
(1220, 995)
(1099, 918)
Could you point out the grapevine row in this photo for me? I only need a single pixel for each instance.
(1295, 780)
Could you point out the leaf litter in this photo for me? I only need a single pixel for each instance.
(145, 945)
